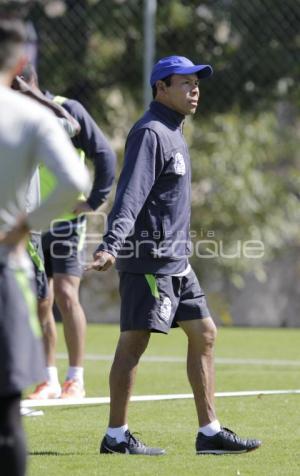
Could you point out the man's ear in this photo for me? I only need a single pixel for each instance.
(161, 86)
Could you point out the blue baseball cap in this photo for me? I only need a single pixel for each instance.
(178, 65)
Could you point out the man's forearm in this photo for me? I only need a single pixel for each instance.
(58, 110)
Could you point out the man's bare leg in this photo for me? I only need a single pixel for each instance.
(48, 325)
(66, 293)
(201, 334)
(131, 345)
(51, 387)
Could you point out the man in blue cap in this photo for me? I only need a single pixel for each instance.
(148, 237)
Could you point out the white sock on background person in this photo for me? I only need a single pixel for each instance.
(75, 373)
(52, 376)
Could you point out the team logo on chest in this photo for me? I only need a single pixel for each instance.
(179, 164)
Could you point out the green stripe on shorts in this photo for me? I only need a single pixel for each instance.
(150, 278)
(30, 299)
(36, 259)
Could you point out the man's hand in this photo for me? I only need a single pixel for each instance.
(20, 85)
(82, 207)
(16, 236)
(102, 261)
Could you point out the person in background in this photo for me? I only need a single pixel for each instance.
(33, 195)
(29, 135)
(63, 247)
(148, 232)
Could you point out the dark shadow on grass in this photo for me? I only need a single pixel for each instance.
(73, 407)
(53, 453)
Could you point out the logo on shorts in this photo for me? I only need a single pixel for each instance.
(165, 309)
(179, 164)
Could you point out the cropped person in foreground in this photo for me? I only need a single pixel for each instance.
(29, 135)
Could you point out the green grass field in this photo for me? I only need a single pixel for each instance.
(65, 441)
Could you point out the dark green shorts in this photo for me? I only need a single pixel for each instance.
(159, 302)
(64, 249)
(21, 350)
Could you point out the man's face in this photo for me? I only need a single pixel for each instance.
(183, 93)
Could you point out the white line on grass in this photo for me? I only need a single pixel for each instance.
(149, 398)
(173, 359)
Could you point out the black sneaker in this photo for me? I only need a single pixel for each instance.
(132, 446)
(224, 442)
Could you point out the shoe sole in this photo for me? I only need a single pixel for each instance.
(48, 397)
(224, 452)
(105, 450)
(77, 397)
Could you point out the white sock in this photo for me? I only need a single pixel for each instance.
(117, 433)
(75, 373)
(52, 376)
(211, 429)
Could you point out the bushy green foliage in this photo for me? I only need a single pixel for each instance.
(246, 180)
